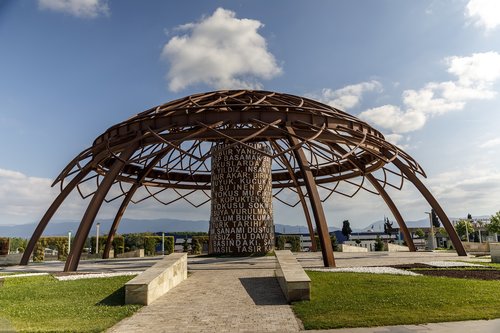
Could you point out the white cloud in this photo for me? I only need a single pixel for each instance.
(22, 196)
(479, 70)
(78, 8)
(485, 13)
(476, 77)
(348, 96)
(490, 143)
(393, 118)
(474, 188)
(221, 51)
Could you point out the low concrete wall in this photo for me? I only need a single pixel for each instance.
(350, 248)
(157, 280)
(476, 247)
(495, 252)
(132, 254)
(397, 248)
(293, 280)
(11, 259)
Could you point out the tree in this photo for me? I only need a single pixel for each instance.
(333, 240)
(464, 228)
(494, 226)
(420, 233)
(435, 219)
(388, 229)
(379, 244)
(443, 232)
(346, 229)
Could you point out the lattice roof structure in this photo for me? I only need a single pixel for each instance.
(317, 151)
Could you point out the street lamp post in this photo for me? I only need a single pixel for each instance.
(97, 239)
(433, 241)
(163, 243)
(69, 241)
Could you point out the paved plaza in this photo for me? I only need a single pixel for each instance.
(242, 295)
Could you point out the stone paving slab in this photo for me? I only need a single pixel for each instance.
(472, 326)
(220, 299)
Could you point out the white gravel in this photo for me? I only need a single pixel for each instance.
(23, 275)
(94, 275)
(372, 270)
(451, 264)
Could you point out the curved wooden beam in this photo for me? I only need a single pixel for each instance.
(300, 193)
(50, 212)
(432, 201)
(92, 209)
(317, 208)
(138, 183)
(117, 220)
(394, 210)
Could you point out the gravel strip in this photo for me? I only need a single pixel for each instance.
(451, 264)
(372, 270)
(23, 275)
(93, 275)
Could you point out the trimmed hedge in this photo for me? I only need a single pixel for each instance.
(118, 243)
(60, 244)
(198, 243)
(294, 241)
(151, 242)
(333, 240)
(4, 246)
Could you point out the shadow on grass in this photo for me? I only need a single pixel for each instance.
(264, 290)
(117, 298)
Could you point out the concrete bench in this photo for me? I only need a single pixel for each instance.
(131, 254)
(495, 252)
(350, 248)
(293, 280)
(157, 280)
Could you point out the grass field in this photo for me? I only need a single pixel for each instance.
(43, 304)
(362, 300)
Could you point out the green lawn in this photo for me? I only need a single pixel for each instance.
(43, 304)
(362, 300)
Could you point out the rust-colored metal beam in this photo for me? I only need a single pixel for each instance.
(457, 243)
(140, 179)
(117, 220)
(380, 189)
(394, 210)
(92, 210)
(50, 212)
(317, 208)
(300, 193)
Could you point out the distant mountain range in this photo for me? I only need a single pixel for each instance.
(61, 228)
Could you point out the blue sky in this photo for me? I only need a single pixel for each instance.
(426, 73)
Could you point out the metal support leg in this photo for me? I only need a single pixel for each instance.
(317, 208)
(116, 221)
(300, 193)
(92, 209)
(50, 212)
(432, 201)
(394, 210)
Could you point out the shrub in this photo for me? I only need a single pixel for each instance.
(294, 241)
(198, 243)
(151, 242)
(333, 240)
(4, 246)
(59, 243)
(379, 244)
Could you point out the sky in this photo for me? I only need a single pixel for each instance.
(425, 73)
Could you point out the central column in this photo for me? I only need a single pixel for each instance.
(241, 217)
